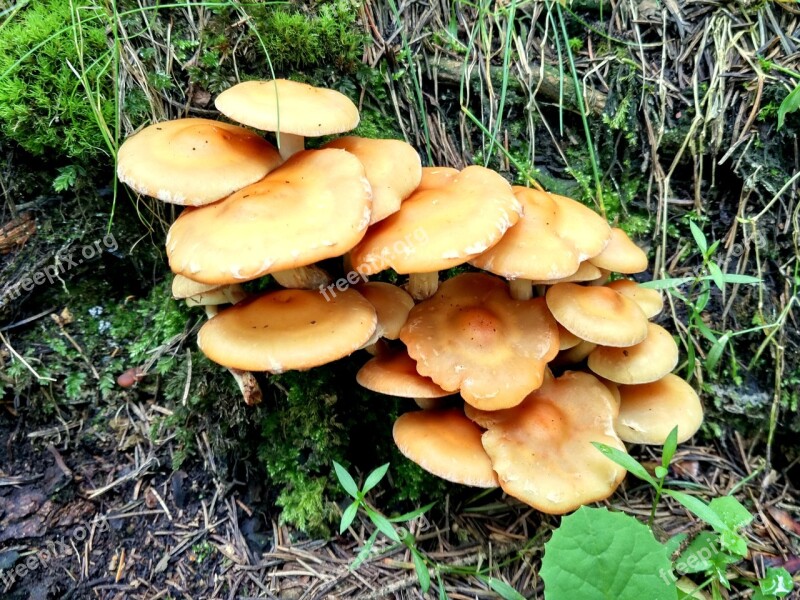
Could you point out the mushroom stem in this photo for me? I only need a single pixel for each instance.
(422, 286)
(248, 385)
(521, 289)
(431, 403)
(302, 278)
(251, 392)
(289, 144)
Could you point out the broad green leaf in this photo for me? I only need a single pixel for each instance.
(670, 446)
(421, 568)
(717, 348)
(790, 104)
(699, 237)
(440, 583)
(374, 478)
(666, 283)
(347, 516)
(383, 525)
(717, 275)
(733, 542)
(699, 509)
(737, 278)
(731, 511)
(363, 554)
(345, 480)
(626, 461)
(412, 515)
(698, 555)
(596, 555)
(501, 587)
(673, 543)
(777, 582)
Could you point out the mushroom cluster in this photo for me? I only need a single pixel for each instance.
(519, 363)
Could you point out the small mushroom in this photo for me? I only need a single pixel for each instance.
(315, 206)
(542, 449)
(472, 337)
(394, 373)
(292, 109)
(392, 305)
(288, 329)
(393, 170)
(439, 228)
(621, 255)
(203, 294)
(447, 444)
(533, 248)
(649, 300)
(194, 161)
(649, 411)
(597, 314)
(644, 362)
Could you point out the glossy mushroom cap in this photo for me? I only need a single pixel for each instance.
(649, 300)
(597, 314)
(288, 329)
(621, 255)
(471, 336)
(315, 206)
(394, 373)
(194, 161)
(447, 444)
(648, 412)
(533, 248)
(436, 177)
(587, 230)
(441, 228)
(647, 361)
(542, 449)
(393, 170)
(289, 107)
(392, 305)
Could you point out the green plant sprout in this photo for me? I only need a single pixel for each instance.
(424, 566)
(595, 553)
(697, 298)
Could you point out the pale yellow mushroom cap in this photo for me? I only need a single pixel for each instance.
(288, 329)
(395, 373)
(586, 272)
(391, 303)
(441, 228)
(201, 294)
(393, 170)
(447, 444)
(315, 206)
(587, 230)
(621, 255)
(597, 314)
(471, 336)
(183, 287)
(194, 161)
(542, 449)
(289, 107)
(436, 177)
(649, 411)
(647, 361)
(533, 248)
(649, 300)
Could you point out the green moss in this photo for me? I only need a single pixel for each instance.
(43, 106)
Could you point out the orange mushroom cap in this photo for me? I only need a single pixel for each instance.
(597, 314)
(447, 444)
(621, 255)
(393, 170)
(394, 373)
(542, 449)
(288, 329)
(471, 336)
(315, 206)
(644, 362)
(440, 228)
(649, 300)
(194, 161)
